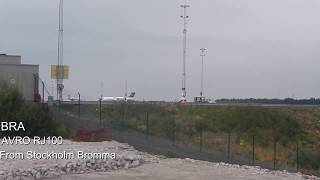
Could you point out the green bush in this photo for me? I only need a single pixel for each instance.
(35, 119)
(11, 103)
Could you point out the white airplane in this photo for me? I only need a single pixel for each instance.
(182, 100)
(125, 98)
(71, 99)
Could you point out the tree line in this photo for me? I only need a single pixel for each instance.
(311, 101)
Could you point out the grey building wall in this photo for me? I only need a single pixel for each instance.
(9, 59)
(21, 76)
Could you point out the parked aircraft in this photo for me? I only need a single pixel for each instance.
(124, 98)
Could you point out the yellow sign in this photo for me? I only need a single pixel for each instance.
(59, 73)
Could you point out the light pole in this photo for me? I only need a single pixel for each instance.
(202, 57)
(185, 17)
(60, 69)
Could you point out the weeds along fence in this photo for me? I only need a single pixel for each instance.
(267, 137)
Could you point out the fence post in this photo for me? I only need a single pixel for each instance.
(147, 125)
(174, 131)
(201, 138)
(253, 150)
(274, 154)
(79, 105)
(298, 156)
(229, 137)
(124, 114)
(100, 115)
(42, 92)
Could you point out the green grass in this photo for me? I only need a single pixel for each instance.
(283, 125)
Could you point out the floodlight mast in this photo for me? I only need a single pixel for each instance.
(60, 70)
(202, 68)
(126, 89)
(185, 17)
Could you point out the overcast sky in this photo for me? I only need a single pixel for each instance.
(256, 48)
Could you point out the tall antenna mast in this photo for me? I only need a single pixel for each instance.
(126, 89)
(101, 95)
(185, 17)
(202, 56)
(60, 69)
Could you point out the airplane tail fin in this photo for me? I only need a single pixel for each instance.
(132, 94)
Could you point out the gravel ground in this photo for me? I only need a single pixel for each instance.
(126, 157)
(128, 164)
(188, 169)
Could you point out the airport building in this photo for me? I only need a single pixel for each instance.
(25, 77)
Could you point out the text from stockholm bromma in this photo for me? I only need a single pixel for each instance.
(56, 155)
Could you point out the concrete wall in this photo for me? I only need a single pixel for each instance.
(8, 59)
(21, 77)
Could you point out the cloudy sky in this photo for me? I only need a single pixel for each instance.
(256, 48)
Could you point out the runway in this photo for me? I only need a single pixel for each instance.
(190, 104)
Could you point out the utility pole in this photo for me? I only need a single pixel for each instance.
(60, 70)
(202, 56)
(185, 17)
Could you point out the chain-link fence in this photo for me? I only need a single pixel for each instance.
(182, 131)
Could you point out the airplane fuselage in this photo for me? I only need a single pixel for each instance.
(125, 98)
